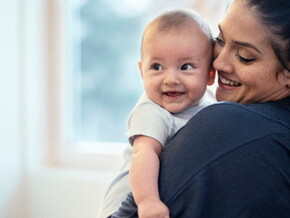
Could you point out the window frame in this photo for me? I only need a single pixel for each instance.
(61, 150)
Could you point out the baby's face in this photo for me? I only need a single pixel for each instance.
(175, 67)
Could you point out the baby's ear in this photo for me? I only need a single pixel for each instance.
(140, 67)
(211, 77)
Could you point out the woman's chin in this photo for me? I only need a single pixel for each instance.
(221, 95)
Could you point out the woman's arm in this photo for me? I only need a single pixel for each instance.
(144, 177)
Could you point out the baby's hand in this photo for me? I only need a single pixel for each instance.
(152, 209)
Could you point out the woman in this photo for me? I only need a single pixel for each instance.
(232, 159)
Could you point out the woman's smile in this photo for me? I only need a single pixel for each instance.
(226, 82)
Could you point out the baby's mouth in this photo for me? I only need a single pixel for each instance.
(173, 94)
(229, 82)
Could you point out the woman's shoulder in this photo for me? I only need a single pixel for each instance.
(224, 109)
(269, 112)
(232, 121)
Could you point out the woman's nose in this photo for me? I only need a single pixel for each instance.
(172, 77)
(222, 60)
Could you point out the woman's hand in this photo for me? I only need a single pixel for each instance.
(152, 208)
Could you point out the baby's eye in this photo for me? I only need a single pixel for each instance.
(156, 67)
(187, 66)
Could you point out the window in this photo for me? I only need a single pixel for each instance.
(105, 40)
(102, 81)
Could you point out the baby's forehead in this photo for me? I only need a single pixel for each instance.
(195, 41)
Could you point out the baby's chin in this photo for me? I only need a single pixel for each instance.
(174, 109)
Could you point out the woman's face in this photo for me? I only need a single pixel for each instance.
(247, 66)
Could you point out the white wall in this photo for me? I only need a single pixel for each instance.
(64, 193)
(29, 188)
(11, 170)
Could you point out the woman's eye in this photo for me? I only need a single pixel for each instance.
(186, 67)
(245, 60)
(157, 67)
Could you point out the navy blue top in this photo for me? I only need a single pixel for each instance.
(230, 160)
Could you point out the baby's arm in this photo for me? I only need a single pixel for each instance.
(144, 177)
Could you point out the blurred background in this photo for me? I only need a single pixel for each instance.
(69, 79)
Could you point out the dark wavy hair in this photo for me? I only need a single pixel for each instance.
(275, 14)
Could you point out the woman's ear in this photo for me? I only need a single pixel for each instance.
(211, 77)
(284, 78)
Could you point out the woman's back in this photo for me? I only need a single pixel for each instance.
(238, 162)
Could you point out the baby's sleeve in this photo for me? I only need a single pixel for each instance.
(152, 121)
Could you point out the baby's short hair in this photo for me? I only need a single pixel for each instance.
(179, 19)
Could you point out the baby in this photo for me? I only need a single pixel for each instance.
(176, 67)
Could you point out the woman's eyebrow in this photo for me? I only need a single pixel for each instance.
(244, 44)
